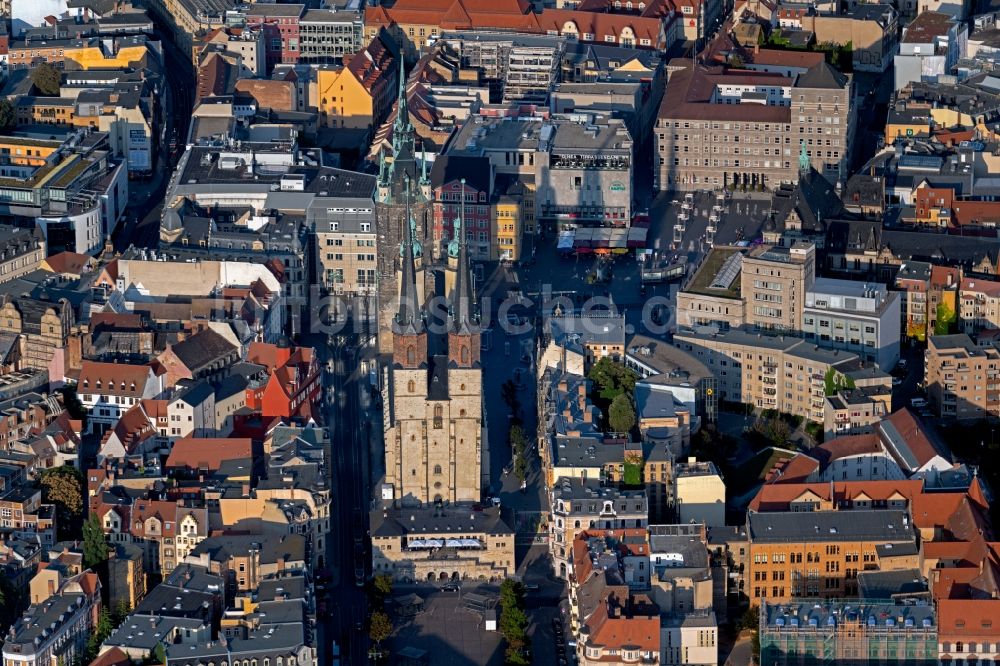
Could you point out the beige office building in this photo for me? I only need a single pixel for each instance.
(774, 281)
(764, 287)
(761, 124)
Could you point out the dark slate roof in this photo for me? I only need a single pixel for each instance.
(853, 236)
(940, 248)
(194, 393)
(202, 348)
(814, 199)
(229, 386)
(222, 547)
(277, 589)
(434, 520)
(880, 526)
(475, 170)
(887, 584)
(173, 601)
(822, 76)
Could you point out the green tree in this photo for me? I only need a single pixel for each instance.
(508, 391)
(379, 627)
(46, 79)
(11, 600)
(103, 629)
(514, 621)
(95, 543)
(8, 117)
(518, 440)
(945, 319)
(775, 429)
(612, 379)
(382, 585)
(621, 415)
(122, 611)
(63, 486)
(749, 620)
(520, 467)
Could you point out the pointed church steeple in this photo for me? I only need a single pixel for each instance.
(403, 142)
(408, 320)
(465, 319)
(402, 123)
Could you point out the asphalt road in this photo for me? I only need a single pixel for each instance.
(345, 411)
(141, 226)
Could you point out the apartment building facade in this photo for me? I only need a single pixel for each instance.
(913, 281)
(412, 544)
(581, 504)
(758, 126)
(855, 411)
(345, 237)
(979, 305)
(962, 378)
(874, 630)
(770, 371)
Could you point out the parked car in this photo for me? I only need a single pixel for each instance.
(452, 587)
(918, 403)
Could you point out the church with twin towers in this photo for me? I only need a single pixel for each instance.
(435, 443)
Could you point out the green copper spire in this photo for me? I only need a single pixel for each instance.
(458, 228)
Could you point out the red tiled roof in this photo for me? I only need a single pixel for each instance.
(689, 92)
(796, 470)
(969, 617)
(165, 512)
(372, 64)
(940, 275)
(778, 496)
(119, 379)
(71, 263)
(113, 657)
(89, 583)
(601, 25)
(623, 631)
(917, 439)
(133, 428)
(804, 59)
(849, 445)
(464, 14)
(207, 453)
(976, 212)
(975, 285)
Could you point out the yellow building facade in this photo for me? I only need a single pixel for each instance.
(341, 99)
(93, 57)
(27, 152)
(507, 228)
